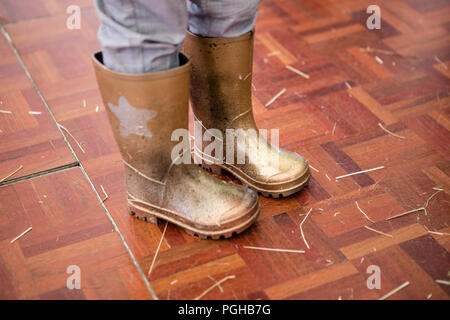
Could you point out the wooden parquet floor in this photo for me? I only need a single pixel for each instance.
(333, 119)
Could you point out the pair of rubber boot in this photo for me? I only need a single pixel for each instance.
(148, 114)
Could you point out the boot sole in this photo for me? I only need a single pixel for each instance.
(154, 214)
(276, 193)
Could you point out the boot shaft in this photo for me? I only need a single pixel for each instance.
(221, 80)
(144, 110)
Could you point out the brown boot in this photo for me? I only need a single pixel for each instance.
(144, 110)
(221, 98)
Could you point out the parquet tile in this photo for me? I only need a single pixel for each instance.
(32, 141)
(69, 228)
(333, 119)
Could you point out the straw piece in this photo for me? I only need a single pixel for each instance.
(429, 296)
(173, 282)
(96, 109)
(365, 215)
(84, 103)
(218, 285)
(348, 85)
(34, 112)
(68, 132)
(12, 173)
(104, 192)
(390, 132)
(5, 111)
(440, 62)
(394, 291)
(304, 75)
(275, 97)
(334, 128)
(443, 282)
(214, 285)
(439, 233)
(157, 251)
(313, 168)
(273, 249)
(301, 230)
(359, 172)
(378, 59)
(274, 53)
(20, 235)
(424, 207)
(386, 52)
(384, 234)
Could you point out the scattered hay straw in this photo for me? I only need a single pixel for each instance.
(34, 112)
(84, 103)
(12, 173)
(304, 75)
(96, 109)
(157, 250)
(214, 285)
(377, 231)
(386, 52)
(336, 213)
(424, 207)
(68, 132)
(218, 285)
(20, 235)
(365, 215)
(429, 296)
(275, 97)
(387, 295)
(173, 282)
(273, 249)
(334, 128)
(313, 168)
(362, 260)
(326, 175)
(5, 111)
(443, 282)
(359, 172)
(378, 59)
(104, 192)
(439, 233)
(390, 132)
(348, 85)
(440, 62)
(274, 53)
(301, 229)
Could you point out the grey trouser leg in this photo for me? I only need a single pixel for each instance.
(141, 36)
(222, 18)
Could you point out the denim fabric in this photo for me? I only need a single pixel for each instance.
(141, 36)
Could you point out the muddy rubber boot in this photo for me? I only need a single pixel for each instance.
(221, 81)
(144, 111)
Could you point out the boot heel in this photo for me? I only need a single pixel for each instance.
(142, 215)
(212, 168)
